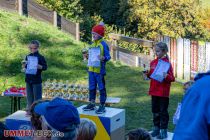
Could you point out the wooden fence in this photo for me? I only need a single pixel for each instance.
(187, 57)
(128, 57)
(32, 9)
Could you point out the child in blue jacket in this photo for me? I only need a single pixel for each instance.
(96, 68)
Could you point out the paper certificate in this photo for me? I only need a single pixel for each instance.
(161, 68)
(93, 59)
(32, 63)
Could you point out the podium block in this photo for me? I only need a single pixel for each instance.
(110, 125)
(19, 121)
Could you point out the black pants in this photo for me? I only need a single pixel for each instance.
(160, 111)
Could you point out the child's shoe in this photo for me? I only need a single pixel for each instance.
(101, 109)
(155, 131)
(163, 134)
(89, 107)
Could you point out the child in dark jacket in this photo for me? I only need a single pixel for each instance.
(34, 65)
(159, 92)
(96, 68)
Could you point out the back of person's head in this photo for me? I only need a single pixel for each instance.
(87, 130)
(59, 115)
(2, 136)
(35, 118)
(187, 85)
(138, 134)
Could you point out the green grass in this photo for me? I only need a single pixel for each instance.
(65, 62)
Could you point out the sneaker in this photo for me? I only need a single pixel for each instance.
(89, 107)
(101, 109)
(155, 131)
(163, 134)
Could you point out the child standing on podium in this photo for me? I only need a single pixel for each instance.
(33, 66)
(98, 55)
(159, 92)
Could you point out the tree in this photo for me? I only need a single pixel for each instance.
(179, 18)
(71, 9)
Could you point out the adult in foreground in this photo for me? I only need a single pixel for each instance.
(194, 121)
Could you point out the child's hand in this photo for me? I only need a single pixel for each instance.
(85, 56)
(23, 65)
(145, 72)
(102, 58)
(39, 66)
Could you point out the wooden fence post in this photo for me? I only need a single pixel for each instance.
(137, 61)
(56, 20)
(77, 32)
(20, 7)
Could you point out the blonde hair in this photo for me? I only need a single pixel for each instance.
(87, 130)
(163, 46)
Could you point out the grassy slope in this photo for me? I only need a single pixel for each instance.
(64, 60)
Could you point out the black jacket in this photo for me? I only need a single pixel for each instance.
(36, 79)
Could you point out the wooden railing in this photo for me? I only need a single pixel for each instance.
(129, 57)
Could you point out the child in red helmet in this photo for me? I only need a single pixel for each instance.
(98, 55)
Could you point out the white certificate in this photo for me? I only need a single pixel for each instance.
(93, 59)
(32, 63)
(161, 68)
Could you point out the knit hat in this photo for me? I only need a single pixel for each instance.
(99, 29)
(59, 113)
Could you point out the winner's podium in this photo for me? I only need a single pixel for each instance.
(19, 121)
(110, 125)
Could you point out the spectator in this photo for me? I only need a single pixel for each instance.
(138, 134)
(194, 121)
(35, 118)
(60, 116)
(87, 130)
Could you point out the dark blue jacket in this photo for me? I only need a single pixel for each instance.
(36, 79)
(194, 122)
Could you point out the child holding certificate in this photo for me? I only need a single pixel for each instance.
(98, 55)
(161, 75)
(34, 64)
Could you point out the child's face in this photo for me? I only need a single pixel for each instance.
(95, 36)
(159, 53)
(33, 48)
